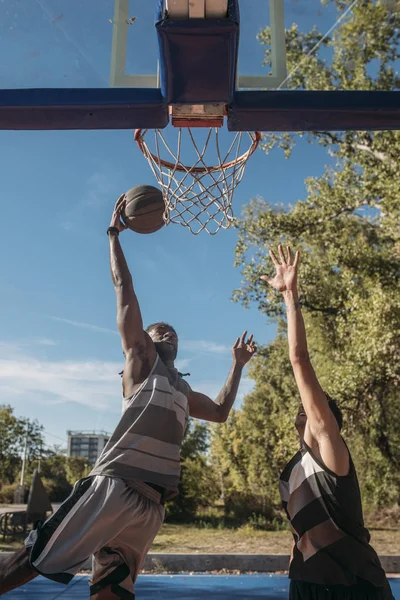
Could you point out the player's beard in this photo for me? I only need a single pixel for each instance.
(166, 351)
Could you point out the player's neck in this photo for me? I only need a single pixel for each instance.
(167, 361)
(300, 431)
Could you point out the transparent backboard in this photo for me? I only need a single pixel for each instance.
(59, 44)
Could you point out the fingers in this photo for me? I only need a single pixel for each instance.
(241, 342)
(242, 350)
(252, 349)
(274, 259)
(284, 260)
(282, 254)
(120, 204)
(267, 279)
(296, 259)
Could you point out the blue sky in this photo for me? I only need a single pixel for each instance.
(59, 350)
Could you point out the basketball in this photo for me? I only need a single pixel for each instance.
(144, 209)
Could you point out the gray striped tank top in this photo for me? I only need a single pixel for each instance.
(145, 446)
(325, 514)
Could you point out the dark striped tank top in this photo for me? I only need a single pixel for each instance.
(145, 446)
(325, 514)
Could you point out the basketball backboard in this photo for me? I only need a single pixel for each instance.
(94, 65)
(108, 43)
(203, 9)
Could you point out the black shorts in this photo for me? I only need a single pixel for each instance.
(363, 590)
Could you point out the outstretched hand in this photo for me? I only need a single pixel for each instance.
(243, 351)
(285, 278)
(116, 216)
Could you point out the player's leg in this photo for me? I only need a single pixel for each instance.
(107, 594)
(116, 567)
(16, 571)
(110, 587)
(19, 569)
(58, 548)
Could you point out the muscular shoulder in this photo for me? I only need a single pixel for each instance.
(139, 361)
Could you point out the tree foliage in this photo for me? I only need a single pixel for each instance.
(347, 228)
(13, 431)
(250, 450)
(197, 488)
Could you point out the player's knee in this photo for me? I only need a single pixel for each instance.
(111, 592)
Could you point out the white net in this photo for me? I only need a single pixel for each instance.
(198, 196)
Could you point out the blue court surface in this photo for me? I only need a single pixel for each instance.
(172, 587)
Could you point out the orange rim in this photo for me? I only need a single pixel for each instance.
(139, 139)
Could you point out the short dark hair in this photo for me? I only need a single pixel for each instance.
(160, 324)
(336, 410)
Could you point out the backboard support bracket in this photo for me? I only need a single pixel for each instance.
(198, 115)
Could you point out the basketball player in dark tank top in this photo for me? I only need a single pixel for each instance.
(331, 558)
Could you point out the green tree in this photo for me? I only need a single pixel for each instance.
(347, 230)
(77, 467)
(13, 431)
(249, 451)
(197, 488)
(60, 472)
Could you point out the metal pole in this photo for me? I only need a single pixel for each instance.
(40, 456)
(24, 455)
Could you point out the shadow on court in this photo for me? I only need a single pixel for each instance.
(174, 587)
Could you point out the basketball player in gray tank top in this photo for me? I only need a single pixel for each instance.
(116, 512)
(331, 557)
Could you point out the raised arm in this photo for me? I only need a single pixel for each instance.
(138, 347)
(202, 407)
(322, 428)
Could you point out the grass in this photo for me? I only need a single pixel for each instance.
(189, 539)
(186, 539)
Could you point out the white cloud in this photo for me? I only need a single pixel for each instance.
(16, 346)
(46, 342)
(203, 346)
(82, 325)
(92, 383)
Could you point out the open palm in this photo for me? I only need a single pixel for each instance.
(243, 350)
(286, 270)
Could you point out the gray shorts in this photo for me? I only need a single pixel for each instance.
(103, 517)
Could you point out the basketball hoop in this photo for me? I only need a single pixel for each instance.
(199, 196)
